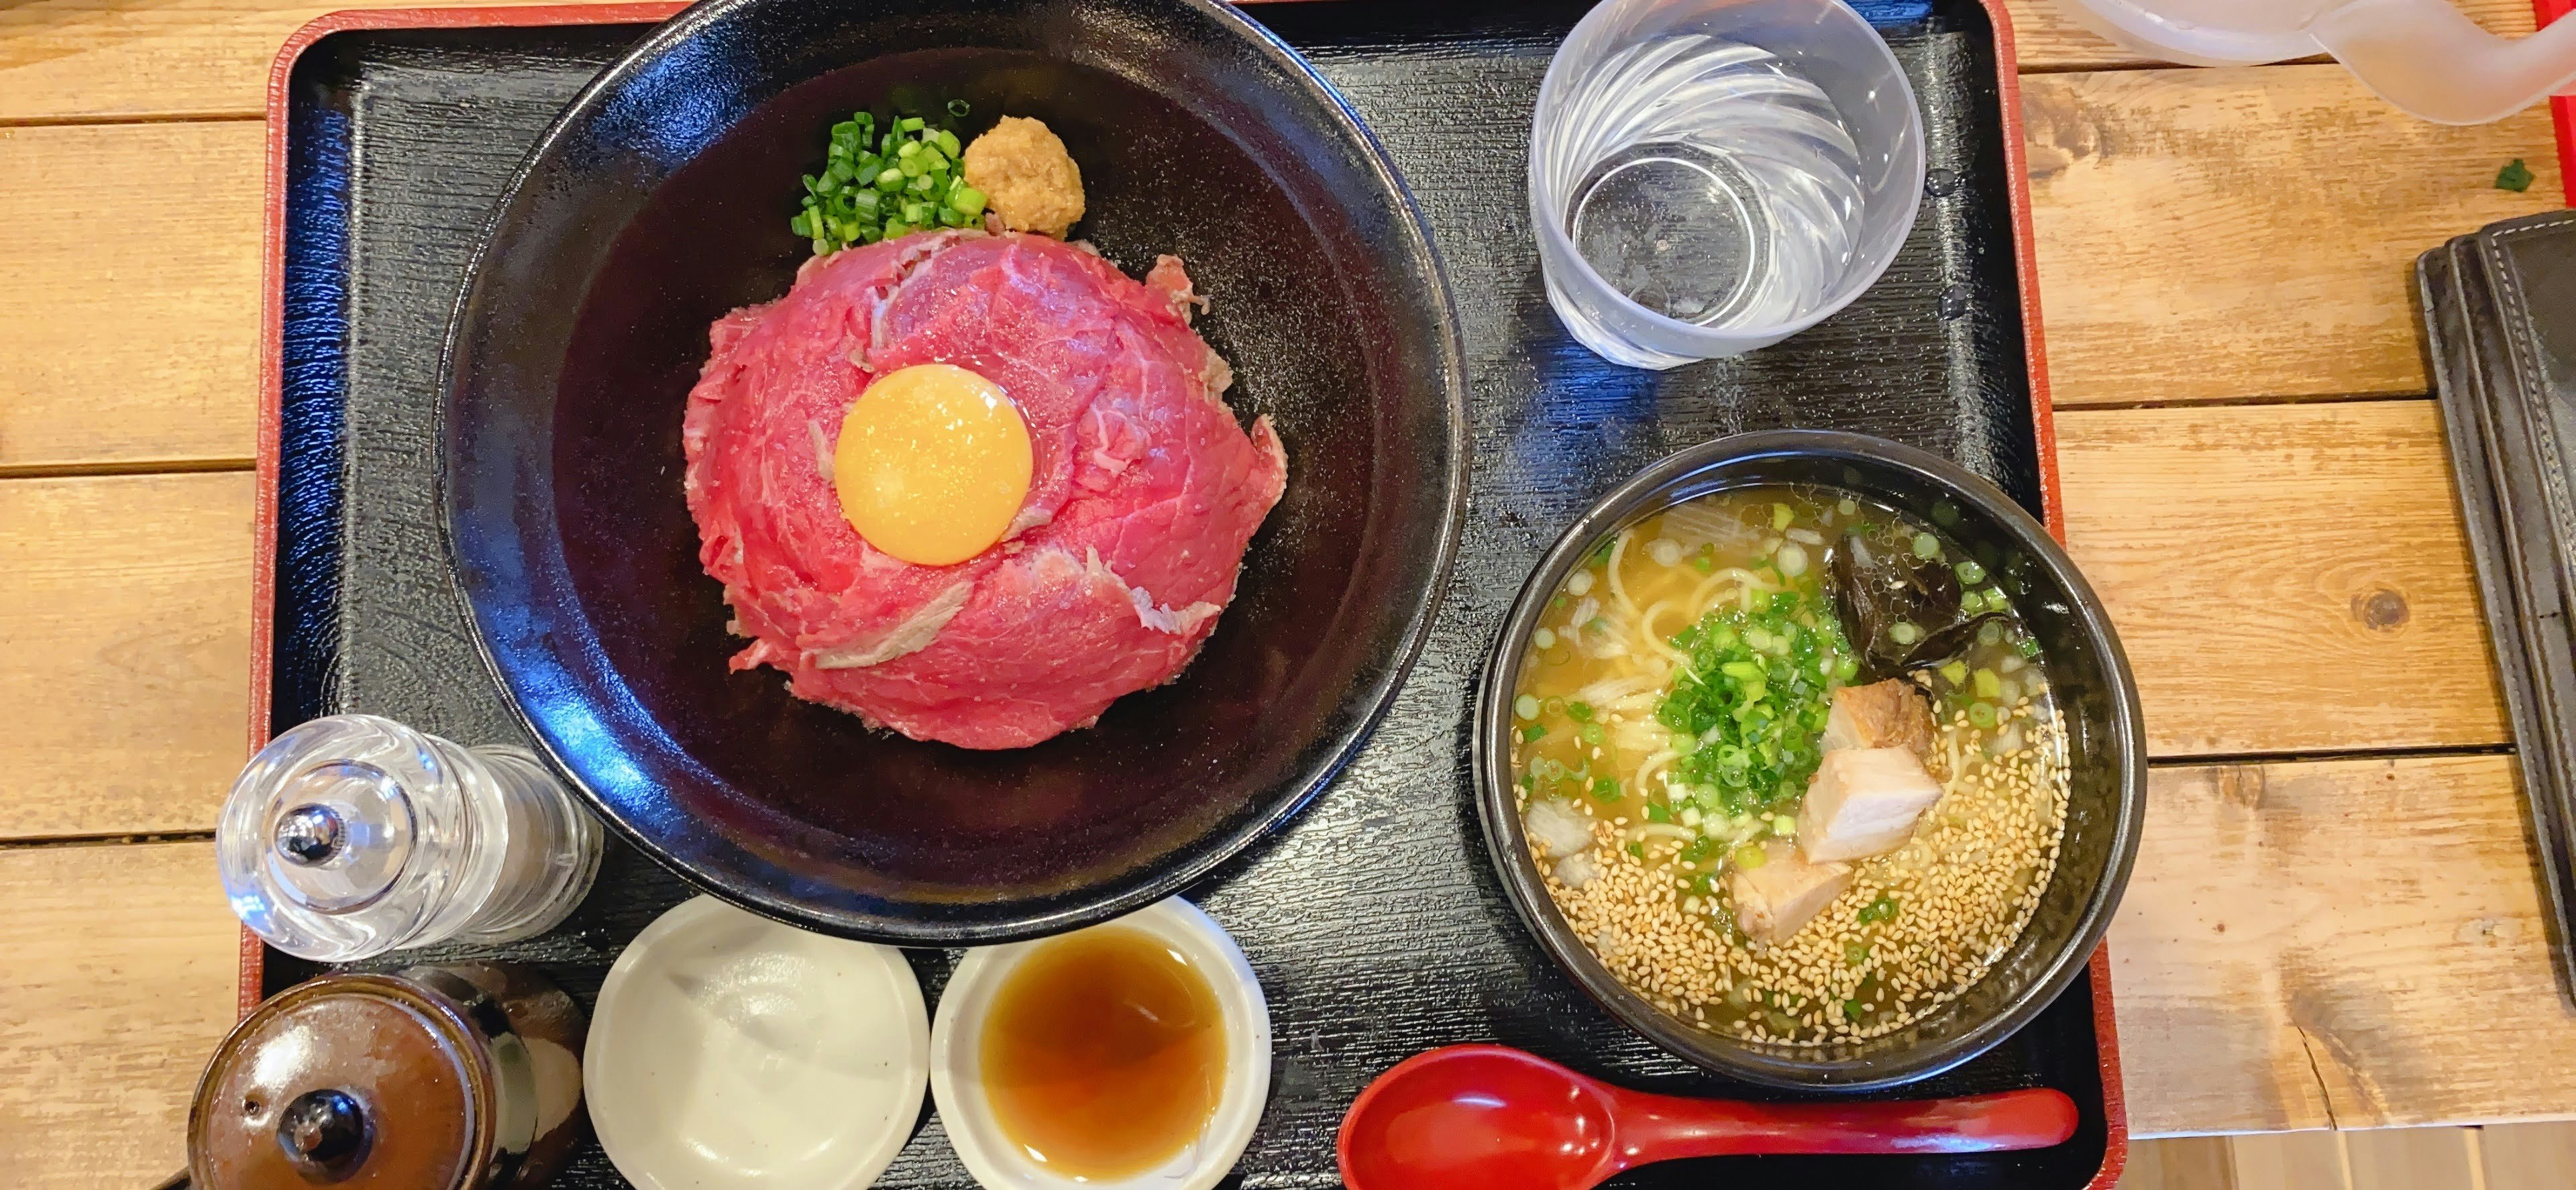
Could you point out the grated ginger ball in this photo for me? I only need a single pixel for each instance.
(1026, 176)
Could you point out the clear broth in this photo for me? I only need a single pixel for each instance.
(1919, 924)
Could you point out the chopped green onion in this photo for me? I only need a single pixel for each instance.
(844, 203)
(1981, 713)
(1926, 546)
(1904, 633)
(1533, 733)
(1990, 633)
(1526, 706)
(1591, 733)
(1580, 712)
(1605, 788)
(1970, 573)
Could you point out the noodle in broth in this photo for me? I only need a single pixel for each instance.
(1670, 723)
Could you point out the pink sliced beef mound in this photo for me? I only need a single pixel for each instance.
(1146, 488)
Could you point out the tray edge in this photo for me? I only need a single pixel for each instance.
(252, 961)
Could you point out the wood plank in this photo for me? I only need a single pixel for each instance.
(2346, 944)
(125, 622)
(129, 331)
(124, 59)
(2050, 39)
(2284, 577)
(2202, 235)
(2180, 1163)
(132, 59)
(116, 978)
(2528, 1156)
(2212, 234)
(2412, 1158)
(2290, 1161)
(138, 698)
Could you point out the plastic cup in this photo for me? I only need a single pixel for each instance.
(1601, 96)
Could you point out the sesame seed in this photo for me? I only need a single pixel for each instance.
(1966, 885)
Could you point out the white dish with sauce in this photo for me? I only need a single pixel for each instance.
(729, 1050)
(1001, 1161)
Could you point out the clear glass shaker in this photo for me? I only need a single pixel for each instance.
(354, 835)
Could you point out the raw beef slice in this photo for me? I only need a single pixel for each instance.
(1145, 491)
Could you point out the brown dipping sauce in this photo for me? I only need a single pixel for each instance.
(1104, 1054)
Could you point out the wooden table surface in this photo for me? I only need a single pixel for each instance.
(2334, 921)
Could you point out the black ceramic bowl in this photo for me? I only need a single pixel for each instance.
(2096, 696)
(660, 200)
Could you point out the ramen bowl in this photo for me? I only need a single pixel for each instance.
(2097, 704)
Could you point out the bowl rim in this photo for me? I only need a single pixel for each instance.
(1651, 490)
(772, 899)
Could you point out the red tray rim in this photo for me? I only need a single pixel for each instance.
(2115, 1154)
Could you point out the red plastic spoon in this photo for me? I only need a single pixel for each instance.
(1488, 1117)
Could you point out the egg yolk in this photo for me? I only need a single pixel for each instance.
(932, 464)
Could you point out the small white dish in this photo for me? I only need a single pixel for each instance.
(729, 1050)
(956, 1083)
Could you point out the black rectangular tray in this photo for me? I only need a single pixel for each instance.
(1373, 920)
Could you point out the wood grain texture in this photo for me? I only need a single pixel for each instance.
(124, 651)
(2202, 235)
(137, 59)
(2181, 1163)
(2052, 40)
(116, 973)
(126, 59)
(2284, 577)
(2412, 1158)
(129, 331)
(2528, 1156)
(2290, 1161)
(2215, 234)
(2338, 944)
(137, 696)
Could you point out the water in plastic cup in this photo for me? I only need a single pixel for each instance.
(1708, 177)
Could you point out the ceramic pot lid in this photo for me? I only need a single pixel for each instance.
(350, 1080)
